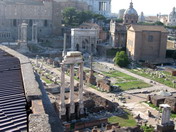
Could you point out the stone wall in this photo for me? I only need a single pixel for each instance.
(139, 47)
(104, 85)
(40, 118)
(95, 103)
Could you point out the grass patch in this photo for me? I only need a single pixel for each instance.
(133, 85)
(46, 80)
(126, 120)
(125, 81)
(155, 78)
(117, 74)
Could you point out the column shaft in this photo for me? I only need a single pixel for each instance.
(81, 82)
(80, 96)
(62, 92)
(71, 101)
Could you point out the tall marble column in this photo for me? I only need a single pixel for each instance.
(165, 114)
(62, 92)
(80, 96)
(64, 47)
(34, 33)
(72, 43)
(36, 60)
(19, 32)
(71, 99)
(24, 32)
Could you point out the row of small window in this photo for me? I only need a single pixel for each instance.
(131, 21)
(30, 23)
(5, 35)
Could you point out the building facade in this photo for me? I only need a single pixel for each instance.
(130, 15)
(14, 12)
(84, 40)
(146, 42)
(102, 35)
(102, 7)
(118, 33)
(121, 13)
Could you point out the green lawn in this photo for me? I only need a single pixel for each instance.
(124, 121)
(46, 80)
(160, 80)
(117, 74)
(125, 81)
(133, 85)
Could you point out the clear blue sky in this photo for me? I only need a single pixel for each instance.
(149, 7)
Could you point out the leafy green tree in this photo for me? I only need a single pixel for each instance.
(83, 16)
(121, 59)
(69, 15)
(99, 17)
(119, 20)
(73, 17)
(158, 23)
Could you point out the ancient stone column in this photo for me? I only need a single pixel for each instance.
(36, 60)
(24, 32)
(34, 33)
(64, 47)
(80, 96)
(71, 100)
(62, 92)
(19, 32)
(166, 111)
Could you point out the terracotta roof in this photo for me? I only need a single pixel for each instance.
(13, 113)
(147, 28)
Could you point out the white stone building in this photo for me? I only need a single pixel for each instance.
(102, 7)
(84, 40)
(172, 18)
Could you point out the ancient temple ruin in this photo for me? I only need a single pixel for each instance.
(71, 110)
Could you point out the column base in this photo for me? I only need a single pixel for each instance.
(72, 116)
(63, 118)
(166, 128)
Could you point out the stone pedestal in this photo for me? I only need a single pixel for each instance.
(91, 79)
(23, 48)
(166, 128)
(166, 125)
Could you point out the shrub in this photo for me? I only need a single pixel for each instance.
(121, 59)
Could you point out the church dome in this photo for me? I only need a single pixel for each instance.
(131, 10)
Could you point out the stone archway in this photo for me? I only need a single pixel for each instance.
(92, 48)
(77, 47)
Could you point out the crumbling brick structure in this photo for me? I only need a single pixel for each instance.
(104, 85)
